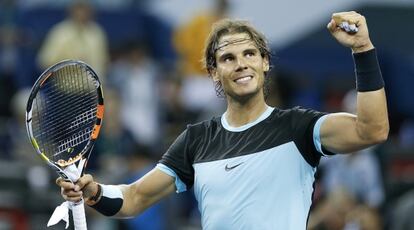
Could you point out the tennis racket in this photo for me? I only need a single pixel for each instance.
(63, 118)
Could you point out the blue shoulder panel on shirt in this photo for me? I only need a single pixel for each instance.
(317, 136)
(180, 186)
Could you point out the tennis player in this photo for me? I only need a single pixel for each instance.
(253, 167)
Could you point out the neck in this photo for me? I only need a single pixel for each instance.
(241, 112)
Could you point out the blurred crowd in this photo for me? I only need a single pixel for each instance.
(154, 85)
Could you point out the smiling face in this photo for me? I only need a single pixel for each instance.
(240, 66)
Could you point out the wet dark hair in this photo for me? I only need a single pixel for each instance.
(225, 27)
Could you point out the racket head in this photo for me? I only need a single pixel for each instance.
(64, 113)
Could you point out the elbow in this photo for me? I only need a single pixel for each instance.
(379, 135)
(384, 132)
(375, 134)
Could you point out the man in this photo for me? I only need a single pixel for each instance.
(78, 36)
(253, 168)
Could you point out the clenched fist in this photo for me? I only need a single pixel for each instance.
(85, 187)
(359, 41)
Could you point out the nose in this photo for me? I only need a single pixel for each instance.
(241, 64)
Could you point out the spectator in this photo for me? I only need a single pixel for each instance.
(135, 76)
(76, 37)
(189, 41)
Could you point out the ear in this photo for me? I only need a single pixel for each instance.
(214, 75)
(266, 65)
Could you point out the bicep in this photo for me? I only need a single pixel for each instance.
(339, 134)
(145, 192)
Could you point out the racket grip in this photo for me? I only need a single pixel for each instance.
(78, 212)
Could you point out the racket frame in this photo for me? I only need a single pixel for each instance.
(82, 158)
(84, 154)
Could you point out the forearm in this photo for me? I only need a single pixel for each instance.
(372, 115)
(119, 201)
(140, 198)
(135, 198)
(132, 206)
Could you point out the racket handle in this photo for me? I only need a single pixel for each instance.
(78, 212)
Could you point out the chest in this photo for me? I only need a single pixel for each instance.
(274, 169)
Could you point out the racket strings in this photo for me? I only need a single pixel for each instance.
(82, 118)
(65, 112)
(54, 113)
(53, 108)
(79, 123)
(76, 139)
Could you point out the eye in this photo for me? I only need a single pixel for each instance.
(228, 58)
(250, 54)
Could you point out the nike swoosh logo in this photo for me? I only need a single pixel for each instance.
(227, 168)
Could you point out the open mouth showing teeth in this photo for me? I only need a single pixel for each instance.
(243, 79)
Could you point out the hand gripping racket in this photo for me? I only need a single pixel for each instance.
(63, 117)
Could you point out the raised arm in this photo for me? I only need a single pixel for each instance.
(136, 197)
(344, 132)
